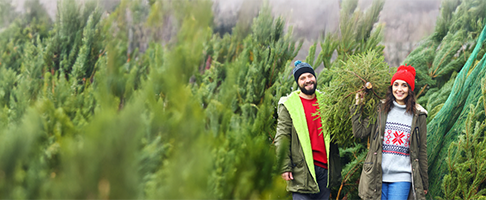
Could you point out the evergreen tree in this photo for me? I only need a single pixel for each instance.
(466, 168)
(359, 70)
(354, 75)
(357, 34)
(447, 49)
(119, 105)
(240, 101)
(359, 60)
(447, 62)
(107, 120)
(446, 125)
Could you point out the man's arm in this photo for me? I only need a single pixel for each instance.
(282, 141)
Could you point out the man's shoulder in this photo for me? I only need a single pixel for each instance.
(283, 99)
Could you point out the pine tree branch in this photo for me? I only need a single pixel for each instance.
(352, 171)
(353, 93)
(364, 81)
(376, 94)
(421, 91)
(433, 74)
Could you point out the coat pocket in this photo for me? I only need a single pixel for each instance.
(367, 186)
(298, 172)
(367, 180)
(368, 163)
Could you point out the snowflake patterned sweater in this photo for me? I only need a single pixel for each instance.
(396, 152)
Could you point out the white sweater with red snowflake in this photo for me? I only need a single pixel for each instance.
(396, 145)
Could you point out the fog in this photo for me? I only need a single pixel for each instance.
(406, 21)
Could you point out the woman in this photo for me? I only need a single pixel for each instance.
(396, 164)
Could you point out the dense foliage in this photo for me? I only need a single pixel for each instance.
(352, 57)
(148, 102)
(450, 65)
(465, 161)
(100, 105)
(352, 77)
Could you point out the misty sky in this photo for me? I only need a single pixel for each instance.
(406, 21)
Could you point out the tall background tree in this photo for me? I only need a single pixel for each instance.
(450, 66)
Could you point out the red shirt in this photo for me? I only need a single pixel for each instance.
(316, 138)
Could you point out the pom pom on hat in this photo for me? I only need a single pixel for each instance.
(300, 68)
(405, 73)
(297, 62)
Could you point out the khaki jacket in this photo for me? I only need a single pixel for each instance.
(371, 176)
(294, 149)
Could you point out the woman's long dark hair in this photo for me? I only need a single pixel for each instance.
(409, 101)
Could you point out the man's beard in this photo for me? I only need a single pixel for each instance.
(308, 92)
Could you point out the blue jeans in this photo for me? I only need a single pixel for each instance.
(321, 176)
(395, 191)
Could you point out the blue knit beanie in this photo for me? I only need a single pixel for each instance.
(300, 68)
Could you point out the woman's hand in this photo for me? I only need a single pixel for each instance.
(360, 97)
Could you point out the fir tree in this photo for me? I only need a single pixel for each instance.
(444, 62)
(466, 168)
(240, 101)
(447, 49)
(93, 107)
(445, 126)
(357, 34)
(359, 60)
(354, 74)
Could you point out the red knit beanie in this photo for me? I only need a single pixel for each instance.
(405, 73)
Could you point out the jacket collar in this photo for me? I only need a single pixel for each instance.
(421, 110)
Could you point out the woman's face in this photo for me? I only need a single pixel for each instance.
(400, 91)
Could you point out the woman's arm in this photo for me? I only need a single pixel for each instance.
(361, 127)
(423, 163)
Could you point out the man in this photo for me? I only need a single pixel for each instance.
(310, 162)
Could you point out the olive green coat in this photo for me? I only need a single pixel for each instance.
(294, 149)
(371, 176)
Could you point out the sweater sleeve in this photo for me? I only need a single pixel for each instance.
(282, 138)
(361, 127)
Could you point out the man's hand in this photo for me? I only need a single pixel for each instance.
(287, 176)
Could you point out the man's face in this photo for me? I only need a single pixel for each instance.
(307, 83)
